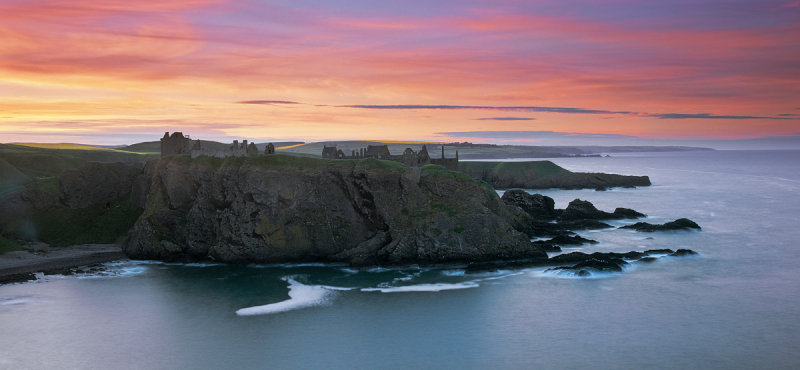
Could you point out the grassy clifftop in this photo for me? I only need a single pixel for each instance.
(544, 175)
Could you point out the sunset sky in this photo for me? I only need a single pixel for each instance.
(512, 71)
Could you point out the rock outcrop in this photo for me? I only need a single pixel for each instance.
(538, 206)
(584, 210)
(679, 224)
(537, 216)
(293, 209)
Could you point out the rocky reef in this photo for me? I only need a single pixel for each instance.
(294, 209)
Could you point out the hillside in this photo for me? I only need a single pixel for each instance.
(154, 147)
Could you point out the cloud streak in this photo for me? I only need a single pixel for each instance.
(484, 107)
(508, 135)
(708, 116)
(267, 102)
(505, 119)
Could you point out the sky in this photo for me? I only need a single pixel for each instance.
(530, 72)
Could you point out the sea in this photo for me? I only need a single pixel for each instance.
(735, 305)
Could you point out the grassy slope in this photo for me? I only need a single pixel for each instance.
(96, 224)
(8, 245)
(27, 167)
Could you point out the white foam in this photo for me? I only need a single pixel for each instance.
(423, 287)
(571, 274)
(14, 300)
(339, 288)
(503, 276)
(300, 296)
(453, 272)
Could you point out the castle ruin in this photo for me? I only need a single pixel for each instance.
(409, 156)
(177, 143)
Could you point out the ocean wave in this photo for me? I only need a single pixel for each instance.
(116, 270)
(300, 296)
(423, 287)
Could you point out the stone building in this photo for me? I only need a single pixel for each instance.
(409, 156)
(176, 143)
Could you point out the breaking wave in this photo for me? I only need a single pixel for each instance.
(300, 296)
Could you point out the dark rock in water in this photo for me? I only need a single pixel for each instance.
(679, 224)
(585, 210)
(623, 213)
(683, 252)
(658, 251)
(546, 246)
(580, 210)
(597, 264)
(540, 207)
(17, 278)
(581, 264)
(601, 188)
(571, 240)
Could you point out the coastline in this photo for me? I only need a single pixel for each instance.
(20, 266)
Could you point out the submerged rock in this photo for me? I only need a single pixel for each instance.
(683, 252)
(679, 224)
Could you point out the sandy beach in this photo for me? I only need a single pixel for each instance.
(22, 265)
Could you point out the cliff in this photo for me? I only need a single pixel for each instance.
(283, 208)
(544, 175)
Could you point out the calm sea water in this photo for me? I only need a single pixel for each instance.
(735, 306)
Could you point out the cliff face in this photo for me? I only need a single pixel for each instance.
(293, 209)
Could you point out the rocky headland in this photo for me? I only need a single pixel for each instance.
(287, 208)
(295, 209)
(545, 175)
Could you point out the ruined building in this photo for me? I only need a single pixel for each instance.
(409, 156)
(177, 143)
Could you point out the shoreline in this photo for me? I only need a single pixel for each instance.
(21, 266)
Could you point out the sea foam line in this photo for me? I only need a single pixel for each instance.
(423, 287)
(300, 296)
